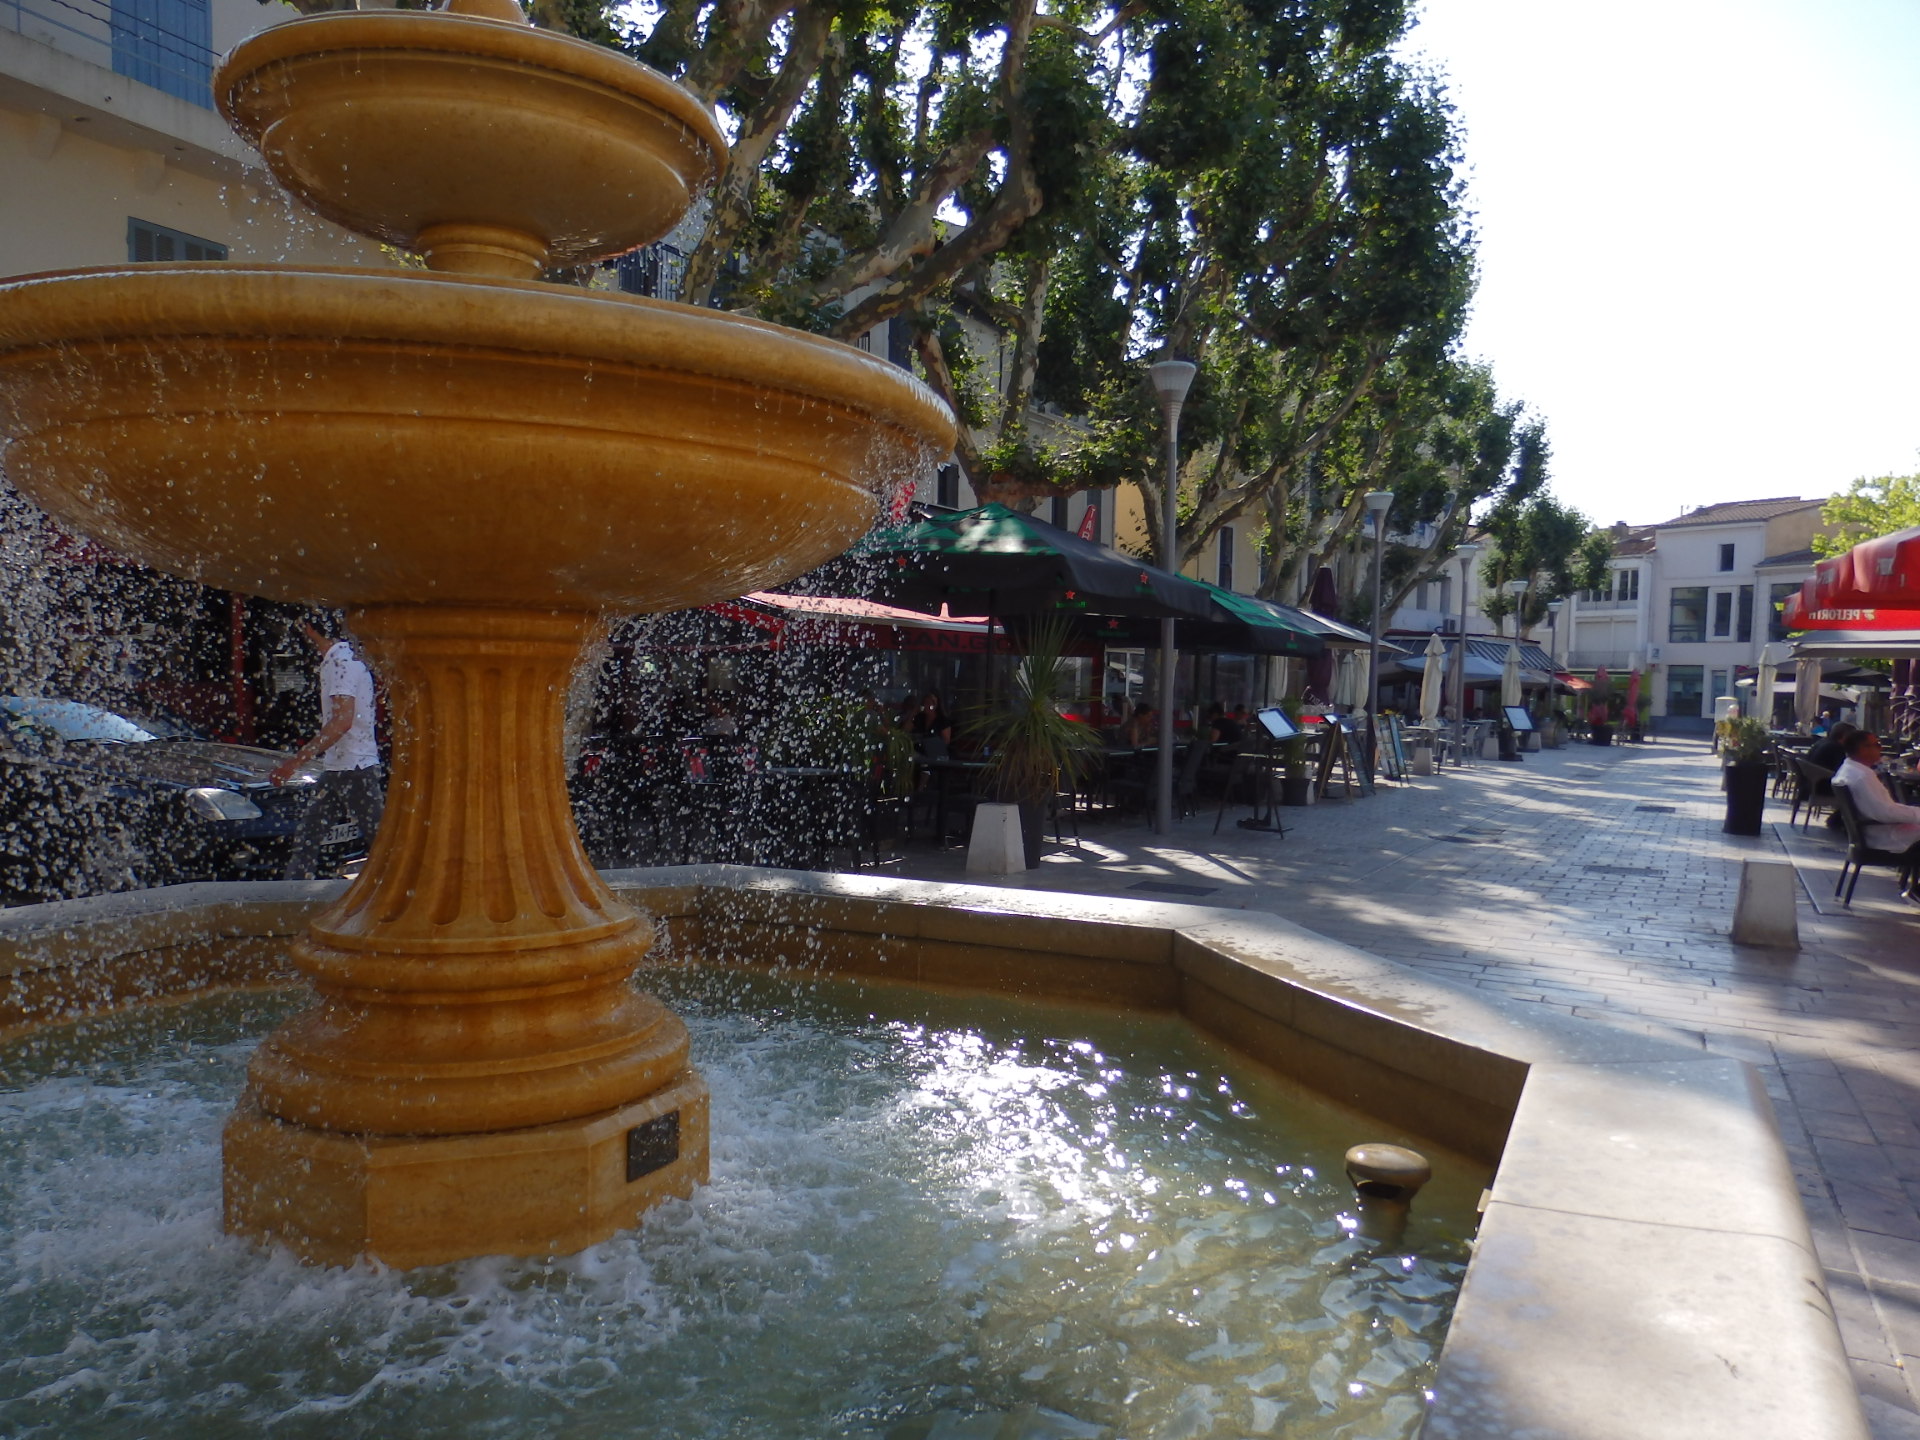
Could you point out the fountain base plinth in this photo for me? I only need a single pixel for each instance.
(429, 1199)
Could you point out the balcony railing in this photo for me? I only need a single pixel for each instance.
(163, 43)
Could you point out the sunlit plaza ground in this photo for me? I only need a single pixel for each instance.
(1597, 882)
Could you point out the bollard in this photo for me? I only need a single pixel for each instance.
(1423, 759)
(1765, 913)
(996, 846)
(1385, 1180)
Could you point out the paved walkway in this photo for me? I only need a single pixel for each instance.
(1597, 882)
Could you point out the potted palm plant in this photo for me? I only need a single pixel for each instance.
(1744, 743)
(1029, 746)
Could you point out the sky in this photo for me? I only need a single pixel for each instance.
(1699, 237)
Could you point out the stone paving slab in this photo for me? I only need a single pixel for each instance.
(1550, 881)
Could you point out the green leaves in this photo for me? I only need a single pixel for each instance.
(1869, 508)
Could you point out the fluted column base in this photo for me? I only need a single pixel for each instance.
(475, 980)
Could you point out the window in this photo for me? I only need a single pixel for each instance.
(1446, 595)
(1722, 614)
(1626, 584)
(1719, 683)
(1683, 689)
(1726, 557)
(946, 487)
(167, 44)
(865, 342)
(1776, 597)
(1687, 615)
(1057, 511)
(1225, 580)
(1743, 613)
(147, 241)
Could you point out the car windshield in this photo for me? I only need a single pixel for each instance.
(71, 720)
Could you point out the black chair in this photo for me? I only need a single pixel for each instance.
(1812, 787)
(1186, 780)
(1859, 853)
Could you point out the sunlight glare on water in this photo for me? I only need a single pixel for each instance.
(930, 1216)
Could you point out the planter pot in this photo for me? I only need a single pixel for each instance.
(1602, 735)
(1746, 783)
(1296, 790)
(996, 847)
(1033, 828)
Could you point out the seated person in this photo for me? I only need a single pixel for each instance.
(1886, 824)
(1829, 753)
(1222, 728)
(1143, 728)
(930, 722)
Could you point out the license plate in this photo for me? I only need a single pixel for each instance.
(341, 834)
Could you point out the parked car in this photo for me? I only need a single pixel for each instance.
(92, 801)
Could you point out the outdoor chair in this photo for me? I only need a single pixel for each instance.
(1786, 779)
(1186, 780)
(1813, 788)
(1859, 853)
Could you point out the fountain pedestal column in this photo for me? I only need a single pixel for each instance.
(478, 1075)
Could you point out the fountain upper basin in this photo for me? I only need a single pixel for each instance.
(396, 437)
(494, 146)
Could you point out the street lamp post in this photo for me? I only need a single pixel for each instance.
(1378, 503)
(1464, 553)
(1171, 380)
(1510, 742)
(1554, 607)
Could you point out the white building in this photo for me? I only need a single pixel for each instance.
(111, 151)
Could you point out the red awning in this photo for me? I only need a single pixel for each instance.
(1572, 682)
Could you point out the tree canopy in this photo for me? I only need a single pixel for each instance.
(1046, 200)
(1868, 508)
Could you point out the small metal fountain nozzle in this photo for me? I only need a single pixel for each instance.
(1385, 1179)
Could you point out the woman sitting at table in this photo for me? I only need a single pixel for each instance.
(1143, 728)
(1222, 728)
(930, 721)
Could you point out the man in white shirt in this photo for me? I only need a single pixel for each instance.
(352, 791)
(1886, 824)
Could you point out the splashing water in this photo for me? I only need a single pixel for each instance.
(926, 1213)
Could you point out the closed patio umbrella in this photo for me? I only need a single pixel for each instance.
(1346, 685)
(1763, 685)
(1630, 712)
(1510, 676)
(1324, 597)
(1433, 682)
(1806, 690)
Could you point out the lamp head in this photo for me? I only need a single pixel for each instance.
(1378, 503)
(1554, 607)
(1515, 588)
(1466, 550)
(1171, 381)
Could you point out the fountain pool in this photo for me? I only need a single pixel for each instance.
(925, 1209)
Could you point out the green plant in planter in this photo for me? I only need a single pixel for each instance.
(1030, 747)
(1745, 740)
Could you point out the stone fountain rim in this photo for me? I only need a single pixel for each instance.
(1635, 1274)
(472, 36)
(223, 302)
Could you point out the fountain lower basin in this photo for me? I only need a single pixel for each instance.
(1642, 1267)
(926, 1208)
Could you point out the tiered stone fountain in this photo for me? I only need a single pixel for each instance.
(477, 464)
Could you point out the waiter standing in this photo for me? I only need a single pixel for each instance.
(352, 791)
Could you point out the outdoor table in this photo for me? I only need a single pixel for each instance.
(820, 796)
(944, 775)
